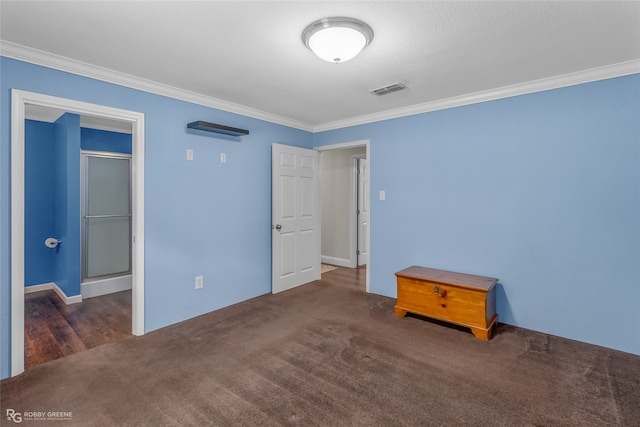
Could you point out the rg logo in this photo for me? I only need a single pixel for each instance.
(14, 416)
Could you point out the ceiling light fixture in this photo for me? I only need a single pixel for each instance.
(337, 39)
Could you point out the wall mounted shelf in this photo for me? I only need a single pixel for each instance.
(212, 127)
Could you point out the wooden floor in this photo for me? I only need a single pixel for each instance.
(354, 278)
(53, 329)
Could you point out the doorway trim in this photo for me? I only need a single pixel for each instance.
(355, 214)
(19, 100)
(367, 144)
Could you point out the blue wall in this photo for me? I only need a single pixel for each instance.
(103, 140)
(67, 203)
(39, 201)
(46, 203)
(202, 217)
(541, 191)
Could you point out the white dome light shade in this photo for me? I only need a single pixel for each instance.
(337, 44)
(337, 39)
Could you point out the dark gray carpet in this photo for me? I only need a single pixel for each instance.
(328, 355)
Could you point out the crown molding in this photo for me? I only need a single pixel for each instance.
(564, 80)
(48, 115)
(46, 59)
(61, 63)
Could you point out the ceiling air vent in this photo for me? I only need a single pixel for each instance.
(388, 89)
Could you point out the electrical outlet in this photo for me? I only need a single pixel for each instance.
(189, 154)
(223, 157)
(199, 282)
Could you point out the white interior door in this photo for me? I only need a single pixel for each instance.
(295, 217)
(363, 211)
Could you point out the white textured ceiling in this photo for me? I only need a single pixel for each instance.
(251, 53)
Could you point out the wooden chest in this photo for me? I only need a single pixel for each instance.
(463, 299)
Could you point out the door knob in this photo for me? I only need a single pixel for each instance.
(278, 227)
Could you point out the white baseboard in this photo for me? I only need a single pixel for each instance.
(38, 288)
(340, 262)
(52, 285)
(105, 286)
(67, 300)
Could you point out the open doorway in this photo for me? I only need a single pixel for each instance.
(345, 233)
(22, 102)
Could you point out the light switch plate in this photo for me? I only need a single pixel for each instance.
(383, 195)
(189, 154)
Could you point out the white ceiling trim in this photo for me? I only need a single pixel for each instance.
(48, 115)
(61, 63)
(38, 57)
(571, 79)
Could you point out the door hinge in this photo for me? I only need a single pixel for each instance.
(357, 251)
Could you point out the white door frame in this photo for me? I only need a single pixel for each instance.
(355, 217)
(19, 99)
(367, 144)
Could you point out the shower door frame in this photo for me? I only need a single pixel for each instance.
(84, 165)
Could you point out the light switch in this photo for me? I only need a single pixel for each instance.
(383, 195)
(189, 154)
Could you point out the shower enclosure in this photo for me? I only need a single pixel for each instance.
(106, 222)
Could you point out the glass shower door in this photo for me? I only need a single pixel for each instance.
(106, 216)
